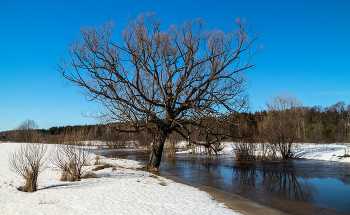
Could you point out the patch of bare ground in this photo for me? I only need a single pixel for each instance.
(104, 166)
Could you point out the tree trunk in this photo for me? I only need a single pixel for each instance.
(157, 150)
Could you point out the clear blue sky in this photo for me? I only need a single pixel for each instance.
(307, 50)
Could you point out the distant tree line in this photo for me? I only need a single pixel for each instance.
(310, 124)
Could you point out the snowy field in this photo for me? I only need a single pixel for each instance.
(123, 191)
(326, 152)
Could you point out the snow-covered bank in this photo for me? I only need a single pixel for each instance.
(326, 152)
(123, 191)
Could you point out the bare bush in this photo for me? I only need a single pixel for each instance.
(171, 148)
(70, 159)
(266, 152)
(248, 151)
(29, 161)
(244, 151)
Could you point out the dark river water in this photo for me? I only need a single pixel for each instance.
(294, 186)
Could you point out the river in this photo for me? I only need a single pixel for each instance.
(293, 186)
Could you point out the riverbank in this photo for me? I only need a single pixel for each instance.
(128, 191)
(294, 186)
(326, 152)
(122, 191)
(316, 151)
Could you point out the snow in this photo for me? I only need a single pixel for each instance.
(326, 152)
(123, 191)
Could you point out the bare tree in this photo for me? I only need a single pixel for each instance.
(210, 132)
(162, 80)
(144, 139)
(29, 161)
(26, 131)
(282, 121)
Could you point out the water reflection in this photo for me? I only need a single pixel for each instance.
(282, 184)
(290, 180)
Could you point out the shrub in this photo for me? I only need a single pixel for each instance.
(70, 159)
(29, 161)
(244, 151)
(266, 152)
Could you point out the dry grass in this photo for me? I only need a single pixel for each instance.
(102, 167)
(97, 159)
(89, 174)
(69, 173)
(162, 182)
(346, 154)
(154, 176)
(87, 163)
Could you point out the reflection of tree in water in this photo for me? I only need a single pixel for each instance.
(345, 179)
(345, 175)
(287, 185)
(171, 161)
(200, 169)
(208, 164)
(282, 184)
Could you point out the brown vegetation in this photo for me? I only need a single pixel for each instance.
(89, 174)
(104, 166)
(29, 161)
(162, 182)
(282, 122)
(244, 151)
(70, 159)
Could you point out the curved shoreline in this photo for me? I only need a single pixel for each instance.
(249, 207)
(234, 202)
(252, 201)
